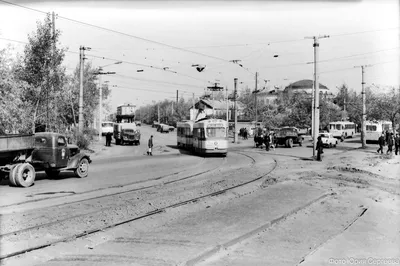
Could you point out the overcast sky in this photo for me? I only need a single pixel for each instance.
(153, 35)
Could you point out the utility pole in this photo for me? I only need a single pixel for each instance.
(255, 96)
(101, 95)
(364, 112)
(227, 105)
(172, 108)
(193, 103)
(81, 63)
(158, 112)
(212, 89)
(316, 92)
(235, 107)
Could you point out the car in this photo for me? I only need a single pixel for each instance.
(138, 123)
(328, 140)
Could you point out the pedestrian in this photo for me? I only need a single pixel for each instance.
(397, 143)
(245, 133)
(108, 139)
(267, 141)
(387, 136)
(319, 149)
(273, 141)
(390, 143)
(381, 143)
(149, 152)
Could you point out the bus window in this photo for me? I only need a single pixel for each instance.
(371, 128)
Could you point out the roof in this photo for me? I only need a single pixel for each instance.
(304, 84)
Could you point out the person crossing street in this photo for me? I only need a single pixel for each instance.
(150, 145)
(381, 143)
(397, 143)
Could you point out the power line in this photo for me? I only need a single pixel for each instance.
(341, 69)
(159, 81)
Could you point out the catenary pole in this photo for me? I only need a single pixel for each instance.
(235, 110)
(81, 56)
(316, 90)
(255, 96)
(364, 112)
(227, 105)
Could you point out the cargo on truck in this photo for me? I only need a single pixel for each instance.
(21, 156)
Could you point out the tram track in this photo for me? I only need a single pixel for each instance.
(71, 193)
(155, 210)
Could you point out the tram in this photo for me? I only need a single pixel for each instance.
(205, 136)
(184, 134)
(210, 136)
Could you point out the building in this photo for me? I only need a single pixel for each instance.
(306, 86)
(204, 107)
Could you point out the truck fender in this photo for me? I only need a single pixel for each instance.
(74, 160)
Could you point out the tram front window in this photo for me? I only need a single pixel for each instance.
(216, 132)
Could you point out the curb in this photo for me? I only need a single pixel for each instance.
(218, 248)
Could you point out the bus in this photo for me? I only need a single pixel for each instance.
(374, 130)
(342, 129)
(210, 136)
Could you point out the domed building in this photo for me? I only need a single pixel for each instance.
(306, 86)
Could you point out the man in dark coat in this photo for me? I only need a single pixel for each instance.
(108, 138)
(267, 141)
(390, 143)
(150, 151)
(319, 148)
(397, 143)
(381, 143)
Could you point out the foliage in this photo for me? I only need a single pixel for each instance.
(40, 67)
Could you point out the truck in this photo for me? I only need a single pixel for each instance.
(21, 156)
(288, 136)
(126, 133)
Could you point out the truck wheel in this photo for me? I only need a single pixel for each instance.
(83, 168)
(330, 145)
(52, 173)
(12, 174)
(25, 175)
(290, 144)
(300, 142)
(117, 141)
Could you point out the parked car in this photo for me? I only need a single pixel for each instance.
(138, 123)
(328, 140)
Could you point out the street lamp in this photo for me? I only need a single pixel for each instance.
(100, 72)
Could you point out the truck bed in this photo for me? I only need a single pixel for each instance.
(13, 144)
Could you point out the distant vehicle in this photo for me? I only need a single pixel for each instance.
(106, 127)
(138, 123)
(155, 124)
(171, 128)
(22, 155)
(288, 136)
(126, 133)
(163, 128)
(342, 129)
(374, 130)
(328, 140)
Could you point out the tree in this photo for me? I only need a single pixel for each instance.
(41, 68)
(14, 113)
(385, 105)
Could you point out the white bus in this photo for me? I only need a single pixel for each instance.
(342, 129)
(374, 130)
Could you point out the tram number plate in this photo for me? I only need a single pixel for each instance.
(215, 125)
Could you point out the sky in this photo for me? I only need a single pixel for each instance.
(158, 43)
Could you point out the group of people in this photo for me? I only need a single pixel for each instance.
(389, 139)
(265, 138)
